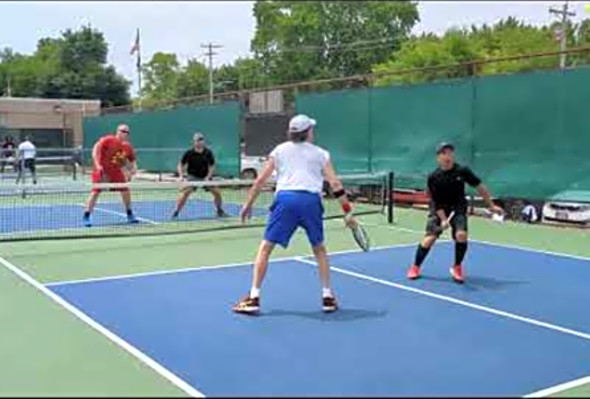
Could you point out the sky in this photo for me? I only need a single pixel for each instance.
(182, 27)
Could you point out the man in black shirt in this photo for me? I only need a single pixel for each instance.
(200, 165)
(8, 148)
(446, 186)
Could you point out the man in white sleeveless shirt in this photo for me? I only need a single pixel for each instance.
(301, 170)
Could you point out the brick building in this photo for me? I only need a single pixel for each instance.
(51, 123)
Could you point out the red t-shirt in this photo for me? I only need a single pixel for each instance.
(114, 153)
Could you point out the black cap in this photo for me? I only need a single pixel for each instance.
(443, 146)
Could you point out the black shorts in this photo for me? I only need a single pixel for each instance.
(458, 223)
(192, 178)
(30, 164)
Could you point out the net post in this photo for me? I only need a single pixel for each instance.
(390, 178)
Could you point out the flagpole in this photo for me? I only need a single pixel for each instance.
(139, 70)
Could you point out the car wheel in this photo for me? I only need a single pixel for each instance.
(248, 174)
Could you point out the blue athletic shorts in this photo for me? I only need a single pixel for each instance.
(292, 209)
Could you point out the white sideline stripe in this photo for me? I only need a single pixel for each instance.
(458, 302)
(147, 274)
(124, 215)
(395, 228)
(204, 268)
(559, 388)
(157, 367)
(509, 246)
(527, 249)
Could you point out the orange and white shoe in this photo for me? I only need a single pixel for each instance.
(414, 272)
(457, 274)
(247, 305)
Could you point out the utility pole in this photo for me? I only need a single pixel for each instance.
(564, 14)
(8, 87)
(210, 46)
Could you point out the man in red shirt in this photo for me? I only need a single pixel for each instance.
(111, 154)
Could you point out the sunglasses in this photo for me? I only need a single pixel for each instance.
(125, 131)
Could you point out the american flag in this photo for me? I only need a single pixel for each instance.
(136, 44)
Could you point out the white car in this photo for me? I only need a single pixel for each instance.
(251, 166)
(566, 211)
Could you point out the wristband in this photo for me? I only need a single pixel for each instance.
(346, 208)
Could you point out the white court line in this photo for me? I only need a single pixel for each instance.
(408, 230)
(559, 388)
(157, 367)
(124, 215)
(527, 249)
(213, 267)
(509, 246)
(456, 301)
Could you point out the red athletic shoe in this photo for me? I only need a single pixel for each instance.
(457, 274)
(414, 272)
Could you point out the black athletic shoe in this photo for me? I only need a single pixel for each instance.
(329, 304)
(222, 214)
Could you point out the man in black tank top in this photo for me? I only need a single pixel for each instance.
(446, 186)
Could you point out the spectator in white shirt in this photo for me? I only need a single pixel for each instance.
(26, 155)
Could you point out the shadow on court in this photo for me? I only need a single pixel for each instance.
(476, 283)
(342, 315)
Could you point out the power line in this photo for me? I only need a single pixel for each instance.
(210, 53)
(344, 46)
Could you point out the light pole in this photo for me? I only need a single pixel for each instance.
(59, 108)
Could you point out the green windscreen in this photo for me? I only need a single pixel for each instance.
(342, 127)
(526, 135)
(407, 122)
(162, 136)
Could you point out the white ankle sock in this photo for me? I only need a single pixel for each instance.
(254, 292)
(326, 292)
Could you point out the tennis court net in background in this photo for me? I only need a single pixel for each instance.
(48, 169)
(34, 212)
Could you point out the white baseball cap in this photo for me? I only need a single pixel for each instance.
(300, 123)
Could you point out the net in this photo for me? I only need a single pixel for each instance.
(47, 169)
(35, 212)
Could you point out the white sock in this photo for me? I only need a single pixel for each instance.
(254, 292)
(326, 292)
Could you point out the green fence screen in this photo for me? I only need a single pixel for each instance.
(342, 126)
(162, 136)
(526, 135)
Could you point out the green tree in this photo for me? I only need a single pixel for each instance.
(430, 51)
(166, 79)
(70, 66)
(243, 74)
(506, 38)
(193, 79)
(82, 49)
(297, 40)
(512, 38)
(161, 76)
(250, 73)
(24, 73)
(226, 78)
(581, 39)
